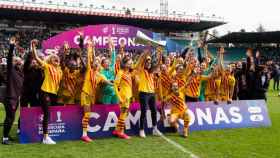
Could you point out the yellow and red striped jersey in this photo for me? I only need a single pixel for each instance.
(165, 84)
(117, 67)
(177, 102)
(181, 80)
(213, 86)
(92, 79)
(146, 81)
(53, 76)
(123, 85)
(193, 87)
(227, 83)
(70, 82)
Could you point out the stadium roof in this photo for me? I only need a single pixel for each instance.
(249, 37)
(155, 23)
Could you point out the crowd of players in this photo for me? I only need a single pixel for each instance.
(85, 77)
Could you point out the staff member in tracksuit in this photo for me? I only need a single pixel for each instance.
(14, 85)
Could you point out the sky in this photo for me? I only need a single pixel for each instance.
(239, 14)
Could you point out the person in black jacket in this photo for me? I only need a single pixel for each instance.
(237, 71)
(276, 77)
(1, 75)
(258, 58)
(14, 85)
(240, 76)
(262, 83)
(251, 78)
(2, 82)
(31, 88)
(33, 79)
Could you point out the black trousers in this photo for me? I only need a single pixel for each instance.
(261, 95)
(34, 99)
(11, 106)
(243, 95)
(147, 99)
(48, 99)
(190, 99)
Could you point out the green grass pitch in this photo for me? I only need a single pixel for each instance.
(229, 143)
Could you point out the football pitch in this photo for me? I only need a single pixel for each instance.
(228, 143)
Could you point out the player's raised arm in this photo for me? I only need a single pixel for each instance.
(199, 53)
(65, 53)
(90, 53)
(209, 55)
(159, 51)
(81, 40)
(112, 52)
(221, 68)
(122, 49)
(34, 52)
(172, 68)
(221, 56)
(10, 54)
(190, 66)
(116, 86)
(140, 63)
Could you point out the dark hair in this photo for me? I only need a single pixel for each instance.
(124, 60)
(103, 60)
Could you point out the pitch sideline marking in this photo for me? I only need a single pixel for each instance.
(178, 146)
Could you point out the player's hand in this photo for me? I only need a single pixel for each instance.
(66, 45)
(110, 43)
(159, 49)
(34, 43)
(122, 100)
(146, 53)
(199, 44)
(222, 50)
(149, 44)
(122, 44)
(12, 40)
(89, 43)
(81, 33)
(206, 46)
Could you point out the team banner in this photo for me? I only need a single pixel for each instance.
(100, 35)
(65, 121)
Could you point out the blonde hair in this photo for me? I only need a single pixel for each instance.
(49, 57)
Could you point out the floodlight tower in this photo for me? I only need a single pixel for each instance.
(163, 7)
